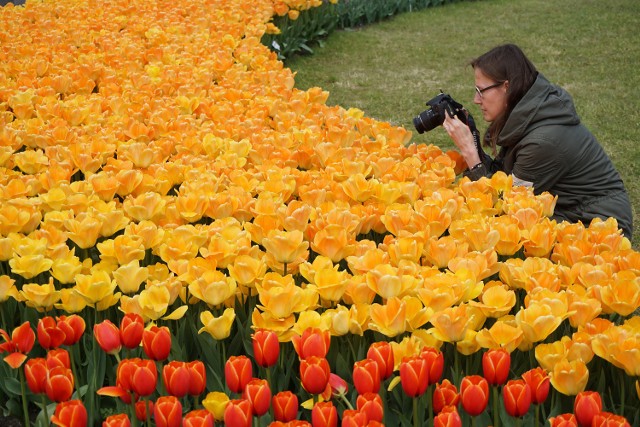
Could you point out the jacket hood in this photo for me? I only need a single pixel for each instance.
(544, 104)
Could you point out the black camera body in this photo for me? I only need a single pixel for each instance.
(433, 117)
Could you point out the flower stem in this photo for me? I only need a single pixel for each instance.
(496, 415)
(416, 422)
(430, 403)
(25, 403)
(346, 401)
(44, 409)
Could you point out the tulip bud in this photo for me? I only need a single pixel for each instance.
(156, 342)
(516, 395)
(445, 394)
(197, 377)
(71, 413)
(435, 363)
(586, 405)
(366, 377)
(564, 420)
(216, 402)
(495, 366)
(474, 394)
(49, 335)
(238, 413)
(118, 420)
(414, 376)
(382, 353)
(353, 418)
(175, 376)
(237, 373)
(35, 371)
(59, 384)
(608, 419)
(141, 407)
(285, 406)
(324, 414)
(198, 418)
(266, 348)
(167, 412)
(371, 405)
(108, 337)
(312, 342)
(538, 380)
(314, 374)
(131, 330)
(73, 327)
(58, 357)
(145, 377)
(448, 417)
(257, 392)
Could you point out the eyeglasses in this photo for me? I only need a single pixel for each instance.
(480, 91)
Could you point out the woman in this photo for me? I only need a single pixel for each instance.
(541, 141)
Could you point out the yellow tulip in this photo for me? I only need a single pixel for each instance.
(65, 269)
(153, 302)
(295, 215)
(583, 307)
(451, 324)
(476, 231)
(213, 287)
(218, 327)
(151, 235)
(113, 220)
(7, 288)
(29, 266)
(500, 335)
(40, 297)
(6, 248)
(331, 284)
(83, 230)
(407, 247)
(182, 242)
(309, 270)
(417, 314)
(265, 320)
(216, 402)
(540, 239)
(496, 300)
(569, 378)
(95, 287)
(510, 237)
(310, 319)
(408, 346)
(247, 270)
(71, 301)
(549, 354)
(621, 294)
(386, 281)
(362, 263)
(437, 216)
(338, 320)
(281, 297)
(130, 276)
(469, 344)
(128, 248)
(334, 241)
(390, 318)
(537, 322)
(579, 346)
(402, 217)
(440, 251)
(286, 247)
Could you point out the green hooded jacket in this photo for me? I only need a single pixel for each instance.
(544, 144)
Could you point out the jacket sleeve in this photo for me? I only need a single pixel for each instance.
(541, 161)
(487, 167)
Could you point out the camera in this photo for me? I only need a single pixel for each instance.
(434, 116)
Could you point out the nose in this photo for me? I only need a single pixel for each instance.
(477, 98)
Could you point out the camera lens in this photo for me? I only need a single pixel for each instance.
(427, 121)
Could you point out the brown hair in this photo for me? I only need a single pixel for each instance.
(506, 63)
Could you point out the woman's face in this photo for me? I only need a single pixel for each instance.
(490, 95)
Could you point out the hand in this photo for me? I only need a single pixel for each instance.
(462, 138)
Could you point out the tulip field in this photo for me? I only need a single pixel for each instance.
(187, 239)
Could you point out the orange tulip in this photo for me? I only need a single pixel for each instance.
(257, 392)
(131, 330)
(474, 394)
(324, 414)
(197, 377)
(382, 353)
(285, 406)
(118, 420)
(22, 340)
(312, 342)
(58, 357)
(353, 418)
(73, 327)
(48, 333)
(167, 412)
(198, 418)
(445, 394)
(238, 413)
(563, 420)
(414, 375)
(237, 372)
(587, 405)
(366, 376)
(108, 336)
(435, 363)
(371, 405)
(156, 342)
(538, 380)
(144, 378)
(495, 366)
(36, 371)
(266, 348)
(144, 410)
(314, 374)
(608, 419)
(71, 413)
(176, 378)
(516, 395)
(60, 384)
(448, 417)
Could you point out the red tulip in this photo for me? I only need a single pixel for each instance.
(312, 342)
(337, 386)
(49, 335)
(156, 342)
(131, 330)
(167, 412)
(238, 413)
(353, 418)
(175, 376)
(324, 414)
(382, 353)
(495, 366)
(124, 373)
(118, 420)
(516, 395)
(108, 336)
(371, 405)
(22, 340)
(448, 417)
(59, 384)
(266, 348)
(586, 405)
(538, 380)
(435, 363)
(35, 371)
(314, 374)
(257, 392)
(58, 357)
(474, 394)
(73, 327)
(141, 407)
(414, 375)
(608, 419)
(285, 406)
(197, 377)
(564, 420)
(198, 418)
(144, 378)
(366, 377)
(445, 394)
(70, 414)
(238, 372)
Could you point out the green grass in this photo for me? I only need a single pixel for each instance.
(590, 47)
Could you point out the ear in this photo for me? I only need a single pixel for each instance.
(506, 84)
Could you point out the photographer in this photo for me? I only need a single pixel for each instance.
(540, 140)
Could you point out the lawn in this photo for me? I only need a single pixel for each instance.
(389, 70)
